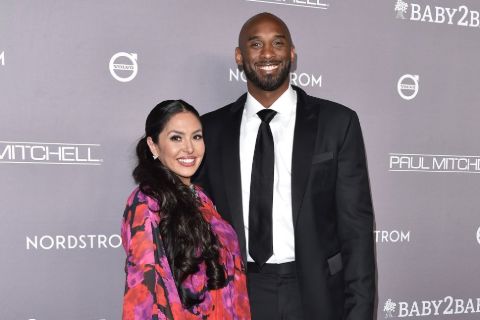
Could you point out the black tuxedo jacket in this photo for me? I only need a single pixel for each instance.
(331, 202)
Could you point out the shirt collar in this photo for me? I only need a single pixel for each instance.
(285, 105)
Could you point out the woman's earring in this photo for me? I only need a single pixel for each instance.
(155, 157)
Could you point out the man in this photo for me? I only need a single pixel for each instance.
(288, 171)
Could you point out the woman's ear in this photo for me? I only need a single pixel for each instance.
(153, 147)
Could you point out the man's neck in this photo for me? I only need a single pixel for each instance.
(267, 98)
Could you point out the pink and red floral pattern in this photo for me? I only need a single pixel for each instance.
(150, 291)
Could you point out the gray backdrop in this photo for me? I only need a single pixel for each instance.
(77, 79)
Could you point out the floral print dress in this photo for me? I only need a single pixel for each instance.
(150, 290)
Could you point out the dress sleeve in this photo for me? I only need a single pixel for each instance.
(146, 289)
(241, 303)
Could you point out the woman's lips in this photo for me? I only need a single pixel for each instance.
(187, 162)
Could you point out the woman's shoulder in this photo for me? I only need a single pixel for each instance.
(141, 204)
(138, 196)
(202, 195)
(207, 206)
(134, 195)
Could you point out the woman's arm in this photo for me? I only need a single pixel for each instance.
(145, 292)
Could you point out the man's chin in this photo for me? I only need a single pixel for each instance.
(266, 82)
(270, 85)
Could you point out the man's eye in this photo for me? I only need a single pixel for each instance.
(198, 137)
(278, 43)
(256, 44)
(176, 138)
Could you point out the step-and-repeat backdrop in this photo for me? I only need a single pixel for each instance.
(77, 79)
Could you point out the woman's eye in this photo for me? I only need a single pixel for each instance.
(198, 137)
(176, 138)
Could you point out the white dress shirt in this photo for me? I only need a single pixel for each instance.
(282, 126)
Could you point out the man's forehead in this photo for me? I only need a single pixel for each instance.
(266, 26)
(263, 23)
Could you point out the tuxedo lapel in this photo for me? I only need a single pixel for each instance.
(303, 146)
(230, 160)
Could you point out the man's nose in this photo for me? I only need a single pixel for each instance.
(267, 51)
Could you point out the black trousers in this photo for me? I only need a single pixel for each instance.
(274, 292)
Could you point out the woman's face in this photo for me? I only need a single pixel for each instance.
(180, 145)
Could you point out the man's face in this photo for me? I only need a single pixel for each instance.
(265, 51)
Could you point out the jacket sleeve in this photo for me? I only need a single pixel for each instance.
(355, 224)
(146, 288)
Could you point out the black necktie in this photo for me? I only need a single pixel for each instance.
(260, 235)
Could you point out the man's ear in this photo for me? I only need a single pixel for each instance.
(238, 56)
(292, 53)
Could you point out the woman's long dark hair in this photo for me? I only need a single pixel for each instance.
(186, 235)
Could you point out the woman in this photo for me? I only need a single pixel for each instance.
(183, 260)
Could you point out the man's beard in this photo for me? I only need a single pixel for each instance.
(269, 82)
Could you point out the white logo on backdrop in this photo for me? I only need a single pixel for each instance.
(391, 236)
(407, 86)
(2, 58)
(298, 79)
(70, 242)
(459, 16)
(478, 235)
(121, 71)
(15, 152)
(446, 306)
(314, 4)
(401, 9)
(405, 162)
(389, 308)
